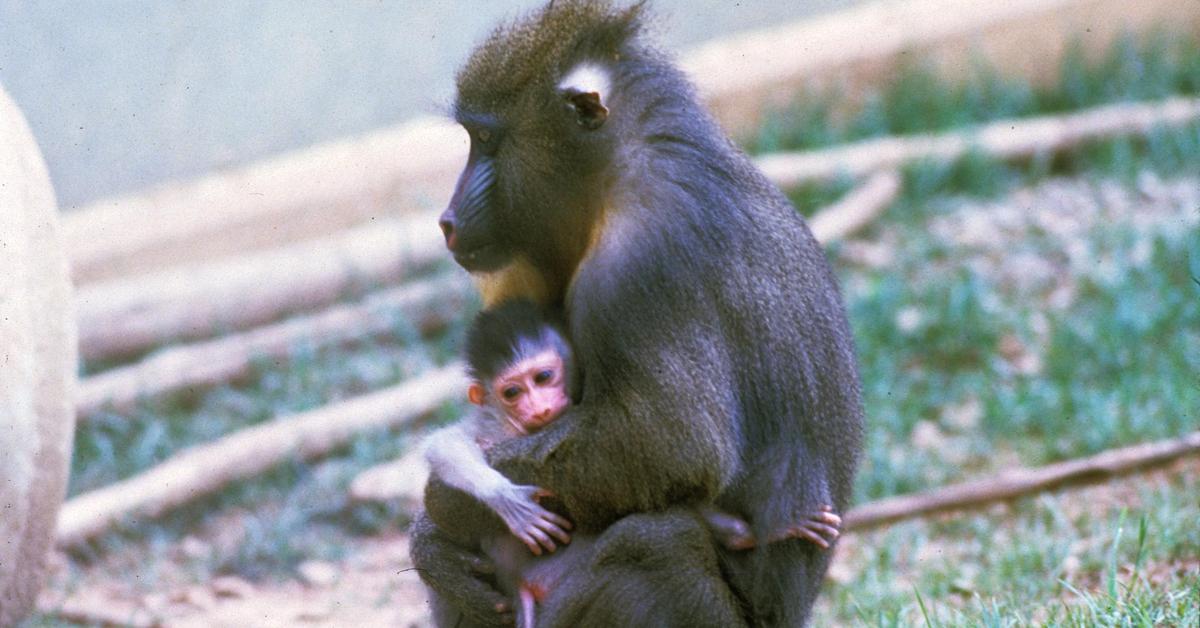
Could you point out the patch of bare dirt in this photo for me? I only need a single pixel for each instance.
(375, 586)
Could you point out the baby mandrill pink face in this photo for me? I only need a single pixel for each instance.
(531, 393)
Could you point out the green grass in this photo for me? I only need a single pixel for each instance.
(1120, 366)
(1090, 558)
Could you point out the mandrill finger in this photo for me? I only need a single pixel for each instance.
(809, 535)
(829, 532)
(828, 517)
(557, 520)
(531, 543)
(554, 531)
(543, 539)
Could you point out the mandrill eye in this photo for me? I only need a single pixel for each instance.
(543, 377)
(485, 139)
(511, 392)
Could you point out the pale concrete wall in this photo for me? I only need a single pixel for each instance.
(37, 366)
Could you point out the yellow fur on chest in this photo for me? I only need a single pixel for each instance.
(517, 280)
(597, 236)
(520, 279)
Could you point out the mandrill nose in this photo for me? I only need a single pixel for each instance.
(446, 222)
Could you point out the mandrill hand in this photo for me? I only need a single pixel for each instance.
(535, 526)
(453, 572)
(821, 528)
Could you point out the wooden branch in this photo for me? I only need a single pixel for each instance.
(1006, 139)
(205, 469)
(291, 197)
(124, 317)
(427, 305)
(858, 208)
(1016, 483)
(401, 479)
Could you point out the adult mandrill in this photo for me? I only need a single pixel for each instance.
(716, 360)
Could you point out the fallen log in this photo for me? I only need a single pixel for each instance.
(1014, 483)
(205, 469)
(124, 317)
(857, 208)
(401, 479)
(291, 197)
(1005, 139)
(427, 306)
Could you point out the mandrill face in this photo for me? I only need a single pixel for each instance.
(532, 392)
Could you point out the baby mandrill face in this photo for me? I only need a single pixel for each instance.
(532, 392)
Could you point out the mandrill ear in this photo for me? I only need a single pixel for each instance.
(475, 394)
(590, 112)
(583, 88)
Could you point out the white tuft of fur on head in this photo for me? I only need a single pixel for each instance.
(586, 78)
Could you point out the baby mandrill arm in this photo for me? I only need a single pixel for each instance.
(455, 457)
